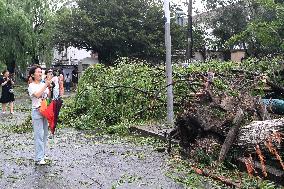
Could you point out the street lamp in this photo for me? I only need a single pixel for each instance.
(189, 33)
(170, 112)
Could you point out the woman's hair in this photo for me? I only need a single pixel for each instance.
(48, 71)
(32, 71)
(4, 72)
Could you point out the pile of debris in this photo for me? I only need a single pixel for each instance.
(217, 121)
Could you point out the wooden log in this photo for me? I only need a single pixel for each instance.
(231, 136)
(257, 132)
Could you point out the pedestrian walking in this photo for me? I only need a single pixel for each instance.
(61, 82)
(37, 92)
(75, 78)
(7, 95)
(209, 79)
(67, 82)
(56, 87)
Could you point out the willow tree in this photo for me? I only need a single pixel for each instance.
(14, 34)
(26, 31)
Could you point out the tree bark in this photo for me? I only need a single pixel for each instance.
(231, 136)
(257, 132)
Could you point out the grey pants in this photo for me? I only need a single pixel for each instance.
(40, 127)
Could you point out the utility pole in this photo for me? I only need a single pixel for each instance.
(189, 32)
(170, 101)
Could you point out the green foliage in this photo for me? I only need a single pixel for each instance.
(203, 157)
(263, 35)
(228, 21)
(266, 66)
(109, 96)
(25, 33)
(112, 98)
(121, 92)
(253, 25)
(117, 28)
(23, 128)
(2, 66)
(199, 37)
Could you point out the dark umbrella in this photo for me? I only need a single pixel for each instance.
(56, 109)
(48, 113)
(51, 112)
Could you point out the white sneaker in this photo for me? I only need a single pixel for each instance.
(41, 162)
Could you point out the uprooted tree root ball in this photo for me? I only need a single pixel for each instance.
(216, 120)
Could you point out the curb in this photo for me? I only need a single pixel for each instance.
(158, 133)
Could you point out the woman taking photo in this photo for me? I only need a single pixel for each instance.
(7, 95)
(38, 91)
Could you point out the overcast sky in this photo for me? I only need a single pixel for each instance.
(197, 5)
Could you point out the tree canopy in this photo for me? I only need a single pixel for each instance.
(264, 34)
(254, 25)
(132, 28)
(26, 31)
(116, 28)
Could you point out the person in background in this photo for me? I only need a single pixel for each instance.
(209, 79)
(7, 95)
(67, 82)
(75, 78)
(38, 91)
(55, 85)
(61, 83)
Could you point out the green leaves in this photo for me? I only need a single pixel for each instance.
(264, 33)
(254, 25)
(132, 91)
(117, 28)
(25, 33)
(112, 95)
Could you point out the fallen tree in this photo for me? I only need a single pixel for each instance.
(223, 121)
(258, 132)
(226, 117)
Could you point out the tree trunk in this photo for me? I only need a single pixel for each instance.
(258, 132)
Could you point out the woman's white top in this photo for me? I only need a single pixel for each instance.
(55, 79)
(33, 88)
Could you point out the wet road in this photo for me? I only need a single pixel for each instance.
(80, 160)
